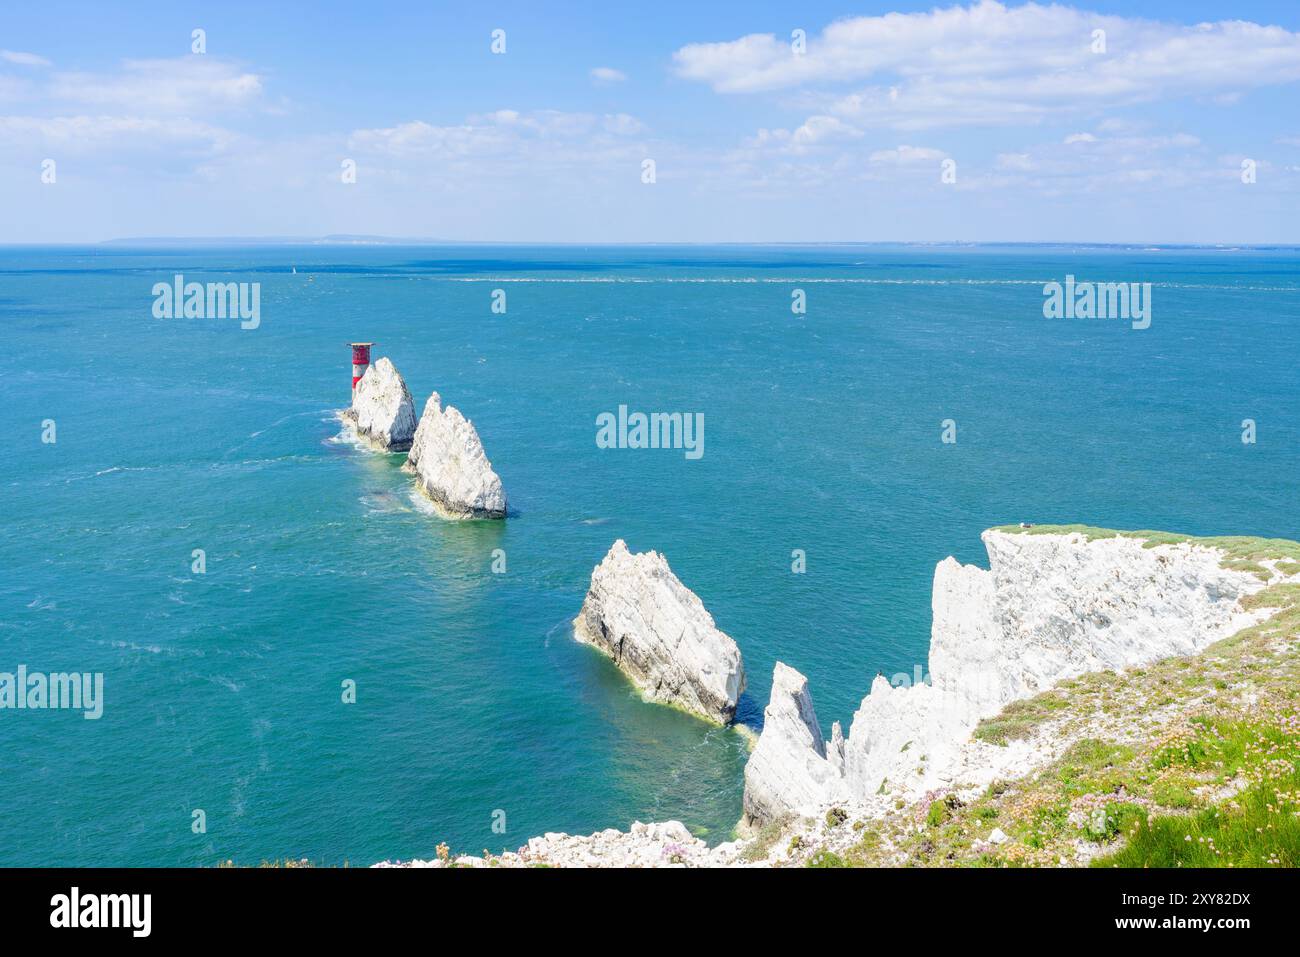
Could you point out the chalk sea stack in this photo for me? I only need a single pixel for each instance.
(660, 634)
(450, 466)
(792, 770)
(382, 410)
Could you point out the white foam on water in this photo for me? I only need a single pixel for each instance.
(347, 435)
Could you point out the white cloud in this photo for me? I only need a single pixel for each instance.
(145, 105)
(187, 84)
(417, 137)
(904, 155)
(988, 63)
(95, 133)
(1083, 163)
(817, 129)
(1015, 161)
(622, 124)
(12, 88)
(23, 59)
(1078, 164)
(1118, 125)
(506, 145)
(815, 132)
(605, 75)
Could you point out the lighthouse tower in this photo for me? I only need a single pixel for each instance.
(360, 361)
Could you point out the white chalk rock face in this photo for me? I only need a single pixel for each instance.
(1050, 607)
(660, 634)
(451, 467)
(792, 770)
(382, 410)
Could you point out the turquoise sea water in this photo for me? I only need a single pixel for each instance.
(822, 433)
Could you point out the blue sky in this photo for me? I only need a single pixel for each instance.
(1044, 137)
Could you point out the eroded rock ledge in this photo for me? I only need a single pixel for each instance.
(660, 634)
(450, 466)
(382, 411)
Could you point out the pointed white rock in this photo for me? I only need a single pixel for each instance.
(791, 771)
(382, 409)
(660, 634)
(451, 467)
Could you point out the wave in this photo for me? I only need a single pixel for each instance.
(278, 422)
(226, 683)
(382, 503)
(132, 646)
(348, 435)
(422, 503)
(111, 470)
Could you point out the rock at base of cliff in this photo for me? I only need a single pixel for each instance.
(665, 844)
(450, 466)
(659, 634)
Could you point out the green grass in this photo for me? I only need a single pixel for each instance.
(1091, 758)
(1173, 794)
(826, 859)
(1116, 818)
(1259, 827)
(1019, 719)
(1138, 800)
(937, 814)
(763, 842)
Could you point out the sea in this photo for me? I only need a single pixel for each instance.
(301, 661)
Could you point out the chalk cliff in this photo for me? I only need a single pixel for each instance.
(382, 410)
(450, 466)
(660, 634)
(1051, 606)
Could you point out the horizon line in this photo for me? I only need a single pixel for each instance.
(342, 240)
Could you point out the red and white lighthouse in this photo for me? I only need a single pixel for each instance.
(360, 361)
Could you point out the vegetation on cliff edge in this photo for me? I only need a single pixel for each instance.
(1191, 762)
